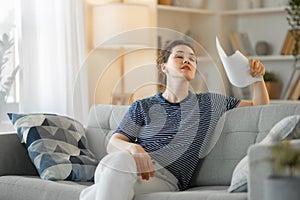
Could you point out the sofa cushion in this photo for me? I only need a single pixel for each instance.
(102, 122)
(33, 188)
(196, 193)
(57, 146)
(288, 127)
(14, 157)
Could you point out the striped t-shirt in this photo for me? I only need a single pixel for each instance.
(176, 135)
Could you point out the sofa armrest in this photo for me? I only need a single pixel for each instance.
(14, 158)
(260, 168)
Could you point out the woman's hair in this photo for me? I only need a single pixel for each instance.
(164, 53)
(163, 57)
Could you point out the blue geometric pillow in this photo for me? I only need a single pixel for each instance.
(57, 146)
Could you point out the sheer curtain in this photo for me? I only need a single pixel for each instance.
(52, 44)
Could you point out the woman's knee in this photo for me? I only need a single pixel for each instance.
(121, 161)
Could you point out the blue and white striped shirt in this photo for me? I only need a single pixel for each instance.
(176, 135)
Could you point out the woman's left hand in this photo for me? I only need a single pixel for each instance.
(257, 69)
(260, 93)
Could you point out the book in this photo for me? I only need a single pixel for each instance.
(292, 87)
(289, 43)
(284, 48)
(235, 41)
(295, 92)
(240, 41)
(246, 44)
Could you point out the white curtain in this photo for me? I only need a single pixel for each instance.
(52, 47)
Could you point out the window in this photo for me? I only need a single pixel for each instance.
(9, 76)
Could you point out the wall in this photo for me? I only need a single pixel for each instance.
(104, 64)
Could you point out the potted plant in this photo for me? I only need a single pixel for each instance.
(7, 75)
(273, 85)
(285, 183)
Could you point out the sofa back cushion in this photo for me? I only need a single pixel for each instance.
(241, 128)
(102, 122)
(14, 157)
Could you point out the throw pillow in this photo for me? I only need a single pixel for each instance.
(57, 146)
(289, 127)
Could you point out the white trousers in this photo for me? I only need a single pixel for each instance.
(116, 179)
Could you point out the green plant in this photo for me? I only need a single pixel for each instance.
(6, 81)
(293, 18)
(286, 157)
(270, 77)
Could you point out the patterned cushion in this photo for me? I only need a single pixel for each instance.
(56, 145)
(289, 127)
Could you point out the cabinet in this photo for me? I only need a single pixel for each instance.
(220, 18)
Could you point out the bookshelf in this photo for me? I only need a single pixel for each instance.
(221, 18)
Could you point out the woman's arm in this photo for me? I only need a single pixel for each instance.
(119, 142)
(260, 93)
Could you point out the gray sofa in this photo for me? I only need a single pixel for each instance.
(241, 128)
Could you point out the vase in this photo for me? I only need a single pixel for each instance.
(263, 48)
(276, 3)
(165, 2)
(282, 187)
(195, 4)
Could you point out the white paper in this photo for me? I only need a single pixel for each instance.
(236, 67)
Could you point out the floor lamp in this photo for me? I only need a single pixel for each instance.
(111, 21)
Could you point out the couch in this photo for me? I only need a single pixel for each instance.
(242, 130)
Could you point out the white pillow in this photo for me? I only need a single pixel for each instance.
(288, 127)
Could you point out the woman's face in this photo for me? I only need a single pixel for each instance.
(182, 63)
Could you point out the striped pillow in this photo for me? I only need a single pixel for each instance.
(57, 146)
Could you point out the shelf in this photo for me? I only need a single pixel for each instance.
(282, 101)
(254, 11)
(124, 47)
(225, 19)
(185, 10)
(273, 58)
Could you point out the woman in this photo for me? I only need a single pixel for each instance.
(161, 139)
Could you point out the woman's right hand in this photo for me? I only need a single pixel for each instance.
(144, 165)
(143, 161)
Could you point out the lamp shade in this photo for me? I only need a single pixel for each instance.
(110, 20)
